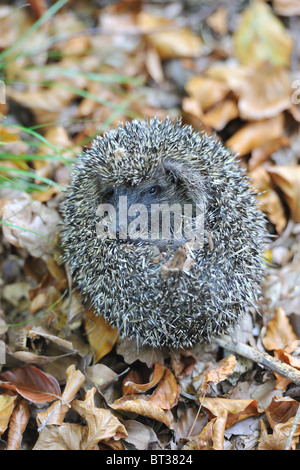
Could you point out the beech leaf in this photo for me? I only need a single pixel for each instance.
(32, 383)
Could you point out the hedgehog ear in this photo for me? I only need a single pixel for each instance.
(174, 171)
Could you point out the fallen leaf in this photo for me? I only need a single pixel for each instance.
(7, 404)
(287, 7)
(261, 37)
(101, 375)
(279, 334)
(269, 201)
(221, 114)
(55, 414)
(17, 425)
(67, 436)
(280, 414)
(169, 40)
(139, 434)
(101, 424)
(262, 153)
(264, 92)
(227, 411)
(167, 393)
(37, 225)
(141, 406)
(218, 373)
(130, 387)
(287, 179)
(32, 383)
(253, 134)
(101, 335)
(283, 382)
(206, 91)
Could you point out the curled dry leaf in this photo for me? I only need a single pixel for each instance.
(31, 383)
(280, 414)
(169, 40)
(7, 403)
(167, 393)
(227, 412)
(287, 179)
(17, 425)
(279, 334)
(218, 373)
(130, 386)
(142, 406)
(56, 412)
(269, 201)
(261, 37)
(101, 423)
(283, 382)
(101, 335)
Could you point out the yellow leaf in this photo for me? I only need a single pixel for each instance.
(262, 37)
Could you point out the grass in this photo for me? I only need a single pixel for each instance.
(16, 169)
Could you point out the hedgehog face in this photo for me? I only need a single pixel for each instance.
(163, 290)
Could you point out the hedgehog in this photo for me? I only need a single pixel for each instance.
(163, 288)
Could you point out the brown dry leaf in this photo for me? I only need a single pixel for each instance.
(262, 153)
(101, 335)
(264, 93)
(283, 382)
(101, 423)
(142, 406)
(218, 20)
(218, 373)
(100, 375)
(221, 114)
(280, 414)
(206, 91)
(55, 414)
(169, 41)
(261, 37)
(7, 404)
(269, 201)
(287, 7)
(227, 412)
(38, 225)
(167, 393)
(280, 334)
(17, 425)
(139, 434)
(68, 436)
(32, 383)
(254, 134)
(131, 385)
(182, 362)
(287, 179)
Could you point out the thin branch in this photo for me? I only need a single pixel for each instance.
(272, 363)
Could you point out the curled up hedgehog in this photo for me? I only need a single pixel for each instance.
(162, 233)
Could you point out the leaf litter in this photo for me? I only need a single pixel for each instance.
(232, 71)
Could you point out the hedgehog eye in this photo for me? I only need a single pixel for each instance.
(153, 190)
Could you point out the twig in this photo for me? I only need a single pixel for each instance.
(264, 359)
(293, 429)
